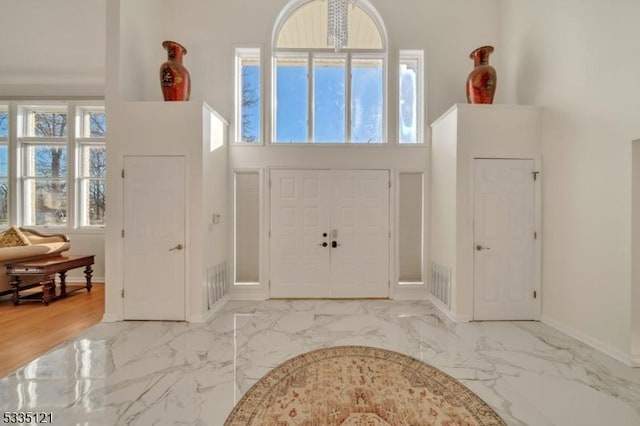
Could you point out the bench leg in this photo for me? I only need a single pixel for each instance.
(88, 273)
(48, 288)
(63, 283)
(15, 283)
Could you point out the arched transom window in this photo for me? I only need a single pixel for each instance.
(329, 67)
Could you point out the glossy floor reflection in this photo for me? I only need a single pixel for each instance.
(167, 373)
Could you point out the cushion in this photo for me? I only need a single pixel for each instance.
(13, 237)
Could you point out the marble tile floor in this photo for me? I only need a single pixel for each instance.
(172, 373)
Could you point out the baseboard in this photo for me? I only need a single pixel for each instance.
(410, 292)
(615, 353)
(446, 311)
(111, 318)
(248, 293)
(83, 280)
(206, 317)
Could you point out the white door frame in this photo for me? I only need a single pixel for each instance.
(266, 267)
(537, 206)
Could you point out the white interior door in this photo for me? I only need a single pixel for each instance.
(310, 210)
(300, 202)
(360, 225)
(504, 239)
(154, 238)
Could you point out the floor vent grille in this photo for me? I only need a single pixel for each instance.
(440, 284)
(217, 282)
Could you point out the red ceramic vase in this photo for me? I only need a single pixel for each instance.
(481, 83)
(174, 77)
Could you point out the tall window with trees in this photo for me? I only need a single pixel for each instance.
(45, 165)
(320, 95)
(4, 165)
(248, 95)
(92, 166)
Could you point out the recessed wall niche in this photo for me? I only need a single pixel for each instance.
(246, 240)
(410, 233)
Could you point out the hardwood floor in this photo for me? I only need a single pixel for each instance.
(31, 329)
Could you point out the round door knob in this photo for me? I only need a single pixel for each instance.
(323, 244)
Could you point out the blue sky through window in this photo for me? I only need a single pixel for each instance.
(4, 124)
(329, 101)
(4, 163)
(366, 101)
(292, 100)
(4, 121)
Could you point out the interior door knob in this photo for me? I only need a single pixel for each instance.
(178, 247)
(335, 244)
(480, 248)
(323, 244)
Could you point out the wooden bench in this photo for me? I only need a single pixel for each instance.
(46, 269)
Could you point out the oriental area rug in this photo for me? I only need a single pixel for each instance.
(359, 386)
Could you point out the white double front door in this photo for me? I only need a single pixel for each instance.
(329, 233)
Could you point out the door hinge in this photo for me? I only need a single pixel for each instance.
(122, 173)
(122, 233)
(269, 233)
(389, 183)
(535, 235)
(269, 183)
(535, 175)
(535, 294)
(122, 293)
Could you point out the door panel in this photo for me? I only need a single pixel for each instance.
(154, 222)
(299, 217)
(503, 228)
(360, 216)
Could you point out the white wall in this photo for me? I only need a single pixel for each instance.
(215, 200)
(141, 52)
(447, 31)
(87, 243)
(578, 58)
(52, 48)
(635, 255)
(442, 200)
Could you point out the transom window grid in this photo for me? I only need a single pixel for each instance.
(320, 96)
